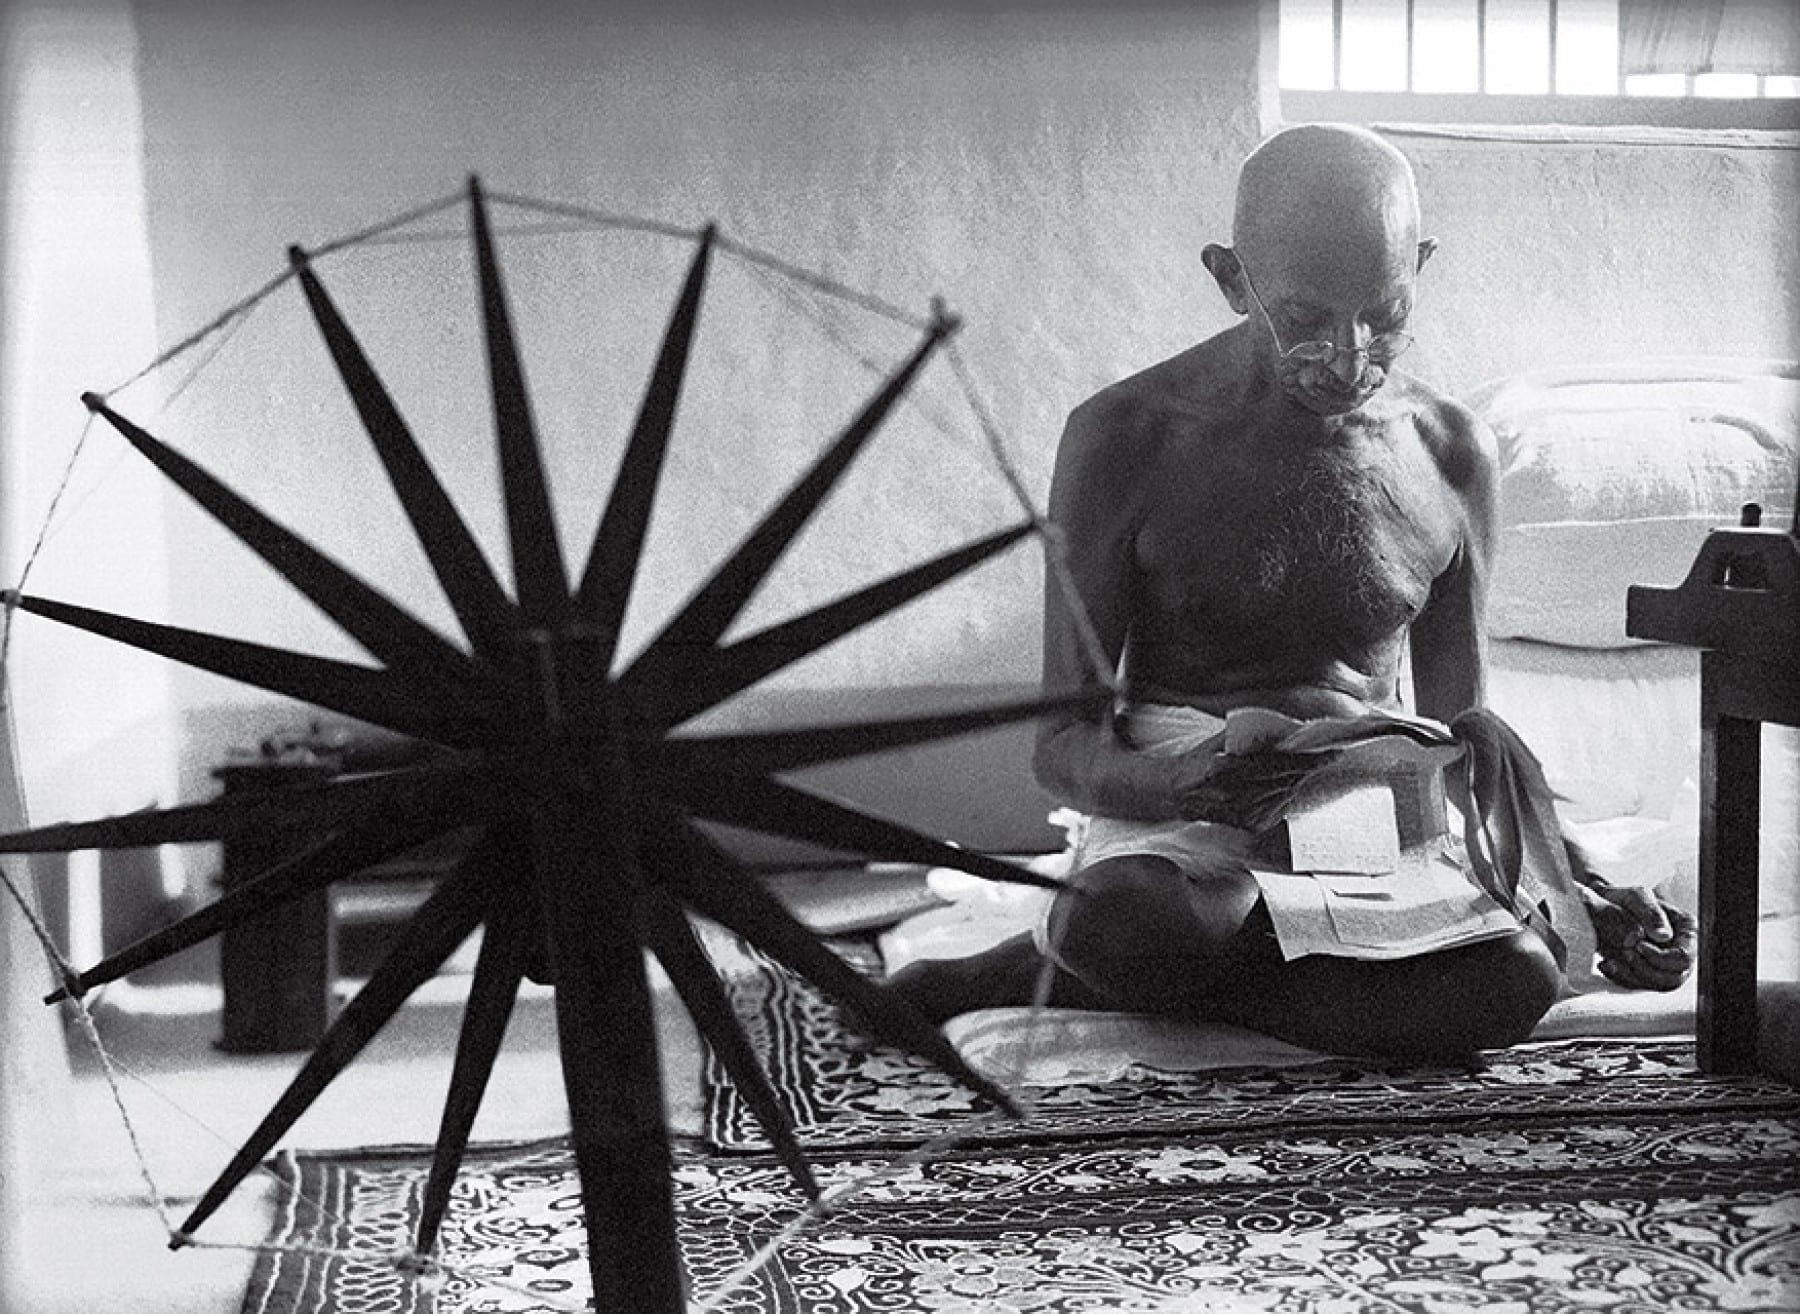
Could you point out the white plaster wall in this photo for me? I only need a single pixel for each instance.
(1577, 253)
(1051, 169)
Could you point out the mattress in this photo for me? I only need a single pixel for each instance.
(1618, 732)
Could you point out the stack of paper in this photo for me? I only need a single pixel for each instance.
(1356, 893)
(1427, 904)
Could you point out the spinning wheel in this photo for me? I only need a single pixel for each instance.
(584, 793)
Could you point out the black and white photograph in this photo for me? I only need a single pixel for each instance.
(889, 656)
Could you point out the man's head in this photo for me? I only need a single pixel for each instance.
(1325, 246)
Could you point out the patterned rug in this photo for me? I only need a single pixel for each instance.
(845, 1092)
(1572, 1175)
(1514, 1197)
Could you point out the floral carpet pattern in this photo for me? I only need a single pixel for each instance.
(1595, 1175)
(845, 1093)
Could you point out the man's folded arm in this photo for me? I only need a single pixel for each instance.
(1096, 498)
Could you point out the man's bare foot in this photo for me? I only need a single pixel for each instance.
(1006, 975)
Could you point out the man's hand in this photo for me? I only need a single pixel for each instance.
(1644, 943)
(1247, 790)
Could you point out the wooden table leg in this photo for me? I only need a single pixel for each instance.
(1730, 793)
(278, 970)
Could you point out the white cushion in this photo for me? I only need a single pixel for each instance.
(1612, 475)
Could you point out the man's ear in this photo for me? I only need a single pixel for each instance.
(1427, 245)
(1222, 263)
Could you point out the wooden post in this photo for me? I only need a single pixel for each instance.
(585, 865)
(1730, 792)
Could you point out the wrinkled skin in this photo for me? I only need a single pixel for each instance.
(1644, 943)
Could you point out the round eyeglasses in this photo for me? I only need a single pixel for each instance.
(1383, 348)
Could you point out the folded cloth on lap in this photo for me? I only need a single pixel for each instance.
(1423, 902)
(1422, 909)
(1160, 730)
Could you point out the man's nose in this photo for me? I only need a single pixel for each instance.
(1346, 364)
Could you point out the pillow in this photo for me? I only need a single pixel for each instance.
(1612, 475)
(1058, 1046)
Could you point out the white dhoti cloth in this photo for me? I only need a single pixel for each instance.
(1428, 902)
(1162, 730)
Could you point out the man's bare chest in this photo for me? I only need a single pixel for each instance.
(1340, 542)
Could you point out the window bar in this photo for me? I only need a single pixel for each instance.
(1337, 44)
(1409, 44)
(1480, 46)
(1551, 83)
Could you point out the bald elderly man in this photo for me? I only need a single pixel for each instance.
(1265, 521)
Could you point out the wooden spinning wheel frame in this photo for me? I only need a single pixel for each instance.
(584, 795)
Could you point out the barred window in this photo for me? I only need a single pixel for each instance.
(1733, 62)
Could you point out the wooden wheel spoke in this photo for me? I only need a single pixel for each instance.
(467, 580)
(442, 923)
(391, 634)
(716, 887)
(367, 693)
(741, 664)
(703, 621)
(316, 865)
(780, 809)
(672, 939)
(619, 542)
(499, 968)
(538, 571)
(330, 805)
(785, 750)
